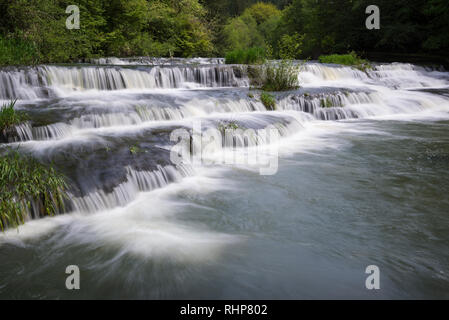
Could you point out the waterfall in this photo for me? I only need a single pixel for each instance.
(153, 61)
(78, 110)
(396, 75)
(136, 181)
(33, 83)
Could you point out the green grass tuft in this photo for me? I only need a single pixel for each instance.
(23, 181)
(9, 118)
(268, 100)
(350, 59)
(281, 76)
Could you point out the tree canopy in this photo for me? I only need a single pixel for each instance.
(34, 30)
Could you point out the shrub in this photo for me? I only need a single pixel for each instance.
(290, 46)
(15, 51)
(268, 101)
(23, 181)
(281, 76)
(9, 118)
(350, 59)
(253, 55)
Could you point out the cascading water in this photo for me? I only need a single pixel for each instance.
(156, 61)
(328, 93)
(107, 126)
(44, 81)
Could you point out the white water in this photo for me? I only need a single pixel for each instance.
(104, 105)
(152, 61)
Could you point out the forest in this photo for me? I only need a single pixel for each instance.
(33, 31)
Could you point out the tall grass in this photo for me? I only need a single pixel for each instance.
(16, 51)
(23, 181)
(9, 116)
(253, 55)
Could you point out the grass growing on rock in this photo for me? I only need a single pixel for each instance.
(268, 100)
(9, 118)
(326, 103)
(281, 76)
(275, 76)
(227, 125)
(25, 181)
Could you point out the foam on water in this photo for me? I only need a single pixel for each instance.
(85, 117)
(147, 227)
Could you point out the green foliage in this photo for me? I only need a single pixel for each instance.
(34, 31)
(254, 28)
(290, 46)
(268, 100)
(9, 118)
(326, 103)
(350, 59)
(261, 12)
(178, 29)
(281, 76)
(23, 181)
(437, 11)
(17, 51)
(246, 56)
(241, 33)
(407, 26)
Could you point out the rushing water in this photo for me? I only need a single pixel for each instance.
(362, 180)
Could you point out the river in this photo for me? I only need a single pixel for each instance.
(361, 179)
